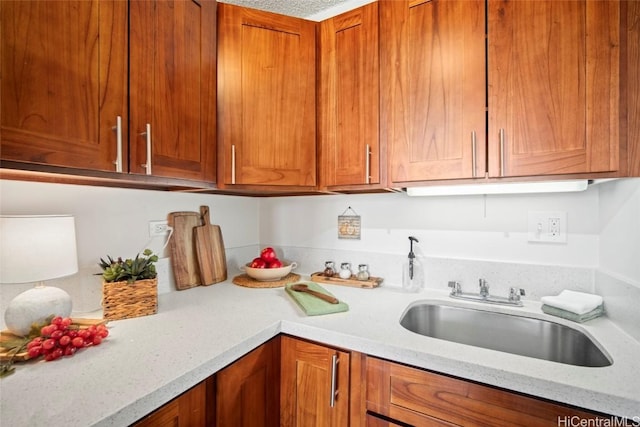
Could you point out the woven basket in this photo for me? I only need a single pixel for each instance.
(121, 300)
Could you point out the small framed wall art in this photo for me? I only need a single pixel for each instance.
(349, 224)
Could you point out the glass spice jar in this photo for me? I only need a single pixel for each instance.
(363, 272)
(345, 270)
(329, 270)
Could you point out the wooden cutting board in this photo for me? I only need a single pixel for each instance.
(212, 260)
(183, 250)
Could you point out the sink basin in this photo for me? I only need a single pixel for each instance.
(514, 334)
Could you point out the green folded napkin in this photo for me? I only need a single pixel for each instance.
(580, 318)
(314, 306)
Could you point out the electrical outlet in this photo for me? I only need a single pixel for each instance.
(547, 226)
(158, 228)
(554, 227)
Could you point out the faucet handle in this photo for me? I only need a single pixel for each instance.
(515, 293)
(484, 287)
(455, 287)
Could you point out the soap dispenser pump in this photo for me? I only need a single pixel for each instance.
(412, 272)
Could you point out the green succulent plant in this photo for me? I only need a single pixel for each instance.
(130, 270)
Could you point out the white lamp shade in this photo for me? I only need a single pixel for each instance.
(37, 248)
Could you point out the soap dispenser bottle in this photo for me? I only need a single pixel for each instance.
(412, 272)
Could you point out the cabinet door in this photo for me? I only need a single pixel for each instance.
(553, 87)
(632, 83)
(248, 391)
(64, 82)
(266, 98)
(315, 385)
(173, 83)
(348, 111)
(418, 397)
(188, 409)
(433, 88)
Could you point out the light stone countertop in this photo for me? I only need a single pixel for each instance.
(147, 361)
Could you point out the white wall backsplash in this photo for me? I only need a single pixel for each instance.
(461, 238)
(113, 221)
(490, 228)
(619, 229)
(537, 280)
(618, 278)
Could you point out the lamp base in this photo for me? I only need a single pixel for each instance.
(34, 306)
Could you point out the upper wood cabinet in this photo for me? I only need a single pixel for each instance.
(266, 99)
(632, 93)
(314, 385)
(64, 82)
(550, 95)
(173, 88)
(432, 74)
(553, 87)
(348, 100)
(70, 69)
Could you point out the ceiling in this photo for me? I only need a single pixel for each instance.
(315, 10)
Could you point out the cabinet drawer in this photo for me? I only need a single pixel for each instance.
(403, 393)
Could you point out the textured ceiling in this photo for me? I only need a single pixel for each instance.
(309, 9)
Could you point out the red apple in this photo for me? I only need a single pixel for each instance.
(276, 263)
(258, 263)
(268, 254)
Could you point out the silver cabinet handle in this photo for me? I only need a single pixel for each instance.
(233, 164)
(473, 154)
(118, 129)
(334, 380)
(367, 171)
(501, 139)
(147, 133)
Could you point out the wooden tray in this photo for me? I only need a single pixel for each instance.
(5, 355)
(248, 282)
(373, 282)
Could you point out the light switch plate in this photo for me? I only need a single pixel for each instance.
(547, 226)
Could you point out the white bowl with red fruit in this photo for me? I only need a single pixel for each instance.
(267, 267)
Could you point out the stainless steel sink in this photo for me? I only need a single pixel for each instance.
(504, 332)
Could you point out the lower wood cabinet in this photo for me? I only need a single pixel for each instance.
(190, 409)
(413, 396)
(291, 382)
(248, 391)
(315, 385)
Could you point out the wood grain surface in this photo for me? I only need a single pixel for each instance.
(210, 252)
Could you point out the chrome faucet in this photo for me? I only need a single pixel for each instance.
(484, 296)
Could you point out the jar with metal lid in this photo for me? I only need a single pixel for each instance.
(329, 269)
(363, 272)
(345, 270)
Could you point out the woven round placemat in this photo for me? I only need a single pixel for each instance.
(246, 281)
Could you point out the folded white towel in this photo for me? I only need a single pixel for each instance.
(575, 302)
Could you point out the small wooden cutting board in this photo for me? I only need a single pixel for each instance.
(183, 251)
(212, 260)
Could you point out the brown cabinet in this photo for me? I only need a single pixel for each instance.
(188, 409)
(173, 89)
(631, 10)
(315, 385)
(550, 94)
(248, 391)
(414, 396)
(70, 69)
(266, 100)
(348, 101)
(64, 82)
(553, 87)
(432, 74)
